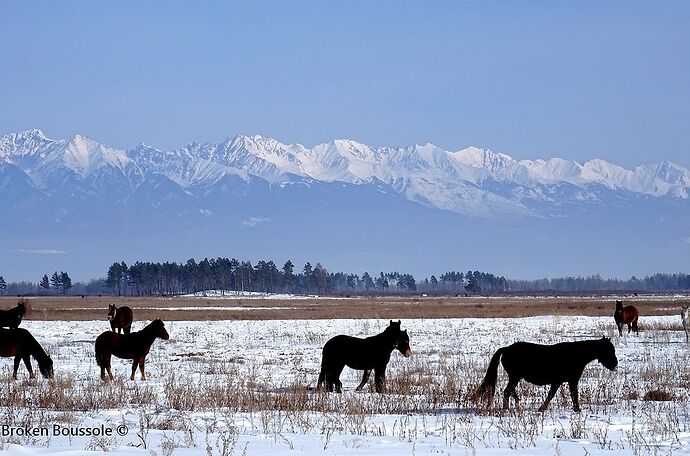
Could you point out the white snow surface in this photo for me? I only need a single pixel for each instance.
(282, 352)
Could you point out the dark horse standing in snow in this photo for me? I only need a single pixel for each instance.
(362, 354)
(547, 365)
(13, 317)
(22, 345)
(627, 315)
(134, 346)
(120, 318)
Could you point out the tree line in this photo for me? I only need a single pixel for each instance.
(230, 274)
(225, 274)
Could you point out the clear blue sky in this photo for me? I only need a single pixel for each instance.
(532, 79)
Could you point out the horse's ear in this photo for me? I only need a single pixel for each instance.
(399, 322)
(390, 322)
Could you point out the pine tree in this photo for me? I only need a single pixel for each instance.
(55, 281)
(473, 285)
(66, 282)
(288, 276)
(307, 273)
(3, 285)
(45, 283)
(367, 281)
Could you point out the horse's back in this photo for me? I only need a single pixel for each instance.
(537, 363)
(126, 313)
(351, 351)
(341, 343)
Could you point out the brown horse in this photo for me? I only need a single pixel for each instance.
(120, 318)
(22, 345)
(627, 315)
(134, 346)
(13, 317)
(362, 354)
(546, 365)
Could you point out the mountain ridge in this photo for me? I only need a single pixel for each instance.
(472, 181)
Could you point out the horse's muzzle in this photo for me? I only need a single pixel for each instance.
(408, 353)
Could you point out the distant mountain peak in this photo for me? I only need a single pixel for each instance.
(471, 181)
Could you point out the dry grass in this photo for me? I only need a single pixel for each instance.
(146, 308)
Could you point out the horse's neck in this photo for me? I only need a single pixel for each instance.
(591, 352)
(35, 349)
(148, 334)
(385, 339)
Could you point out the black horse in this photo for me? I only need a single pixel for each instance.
(134, 346)
(362, 354)
(22, 345)
(547, 365)
(120, 318)
(13, 317)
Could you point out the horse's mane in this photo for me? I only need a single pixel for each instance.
(157, 323)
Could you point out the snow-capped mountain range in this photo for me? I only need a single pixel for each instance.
(474, 182)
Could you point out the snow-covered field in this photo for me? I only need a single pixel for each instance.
(244, 387)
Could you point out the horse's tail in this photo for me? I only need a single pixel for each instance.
(486, 389)
(634, 322)
(99, 355)
(322, 377)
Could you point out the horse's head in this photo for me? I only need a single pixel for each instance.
(393, 326)
(160, 329)
(46, 368)
(111, 311)
(684, 311)
(403, 344)
(606, 354)
(21, 308)
(619, 304)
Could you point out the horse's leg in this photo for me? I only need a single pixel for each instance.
(16, 366)
(128, 329)
(27, 363)
(509, 391)
(333, 379)
(620, 329)
(105, 366)
(141, 367)
(552, 393)
(365, 379)
(574, 394)
(135, 363)
(380, 379)
(515, 396)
